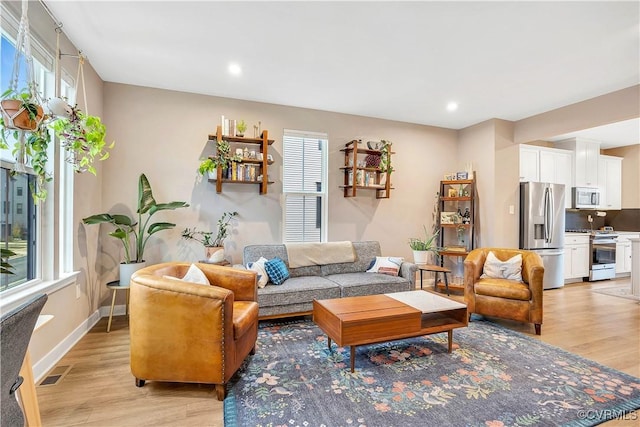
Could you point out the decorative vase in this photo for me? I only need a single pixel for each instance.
(213, 174)
(127, 270)
(420, 257)
(213, 253)
(17, 117)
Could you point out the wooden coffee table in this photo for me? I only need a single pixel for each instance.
(362, 320)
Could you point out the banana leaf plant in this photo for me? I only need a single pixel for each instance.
(141, 230)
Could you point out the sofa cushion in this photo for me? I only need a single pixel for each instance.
(258, 267)
(357, 284)
(386, 265)
(297, 290)
(503, 288)
(277, 271)
(365, 253)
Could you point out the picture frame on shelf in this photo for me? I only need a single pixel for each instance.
(259, 156)
(450, 177)
(448, 217)
(452, 192)
(461, 175)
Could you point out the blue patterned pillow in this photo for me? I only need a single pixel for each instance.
(277, 271)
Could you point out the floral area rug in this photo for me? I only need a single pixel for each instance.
(494, 377)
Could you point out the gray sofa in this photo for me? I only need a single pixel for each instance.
(295, 296)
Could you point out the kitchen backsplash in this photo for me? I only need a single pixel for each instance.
(622, 220)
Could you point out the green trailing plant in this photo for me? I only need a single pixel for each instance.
(427, 243)
(127, 228)
(222, 158)
(385, 157)
(206, 237)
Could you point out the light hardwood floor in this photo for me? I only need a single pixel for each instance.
(99, 389)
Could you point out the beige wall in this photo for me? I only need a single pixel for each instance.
(164, 134)
(610, 108)
(630, 174)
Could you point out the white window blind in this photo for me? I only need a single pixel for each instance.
(304, 186)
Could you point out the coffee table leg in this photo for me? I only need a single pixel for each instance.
(329, 342)
(450, 334)
(353, 358)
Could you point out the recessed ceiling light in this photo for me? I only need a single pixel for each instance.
(235, 69)
(452, 106)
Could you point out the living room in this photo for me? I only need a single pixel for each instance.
(164, 134)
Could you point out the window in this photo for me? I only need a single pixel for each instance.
(22, 222)
(305, 186)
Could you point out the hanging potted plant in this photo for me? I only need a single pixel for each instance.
(82, 137)
(127, 227)
(21, 110)
(213, 247)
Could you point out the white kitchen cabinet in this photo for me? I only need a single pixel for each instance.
(623, 253)
(576, 256)
(610, 182)
(529, 164)
(586, 156)
(543, 164)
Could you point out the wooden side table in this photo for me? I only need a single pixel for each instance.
(116, 286)
(435, 269)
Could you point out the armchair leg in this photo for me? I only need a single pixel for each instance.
(538, 327)
(139, 382)
(253, 350)
(220, 391)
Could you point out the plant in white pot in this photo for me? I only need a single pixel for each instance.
(127, 227)
(423, 246)
(213, 246)
(222, 159)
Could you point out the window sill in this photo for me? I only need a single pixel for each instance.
(12, 298)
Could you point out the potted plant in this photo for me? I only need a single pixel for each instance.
(82, 136)
(422, 246)
(385, 161)
(127, 227)
(241, 127)
(222, 159)
(213, 246)
(21, 110)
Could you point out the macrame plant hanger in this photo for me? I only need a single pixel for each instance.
(23, 47)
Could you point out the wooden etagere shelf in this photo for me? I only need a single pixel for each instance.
(457, 239)
(364, 177)
(247, 170)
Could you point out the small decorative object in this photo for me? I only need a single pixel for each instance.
(255, 131)
(269, 158)
(239, 152)
(245, 153)
(449, 177)
(252, 154)
(466, 217)
(241, 127)
(372, 160)
(259, 156)
(461, 175)
(452, 192)
(374, 145)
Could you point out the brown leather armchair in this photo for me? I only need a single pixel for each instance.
(187, 332)
(507, 299)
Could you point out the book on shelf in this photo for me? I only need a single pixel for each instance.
(455, 248)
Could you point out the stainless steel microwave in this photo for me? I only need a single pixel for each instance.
(585, 198)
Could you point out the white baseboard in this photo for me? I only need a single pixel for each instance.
(50, 360)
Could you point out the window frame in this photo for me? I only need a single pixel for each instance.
(323, 194)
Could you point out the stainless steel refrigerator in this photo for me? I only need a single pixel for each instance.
(542, 227)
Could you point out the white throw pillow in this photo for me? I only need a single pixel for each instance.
(258, 267)
(510, 269)
(386, 265)
(195, 275)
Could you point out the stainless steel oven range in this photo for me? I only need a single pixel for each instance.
(603, 255)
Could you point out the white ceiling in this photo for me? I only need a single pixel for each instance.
(394, 60)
